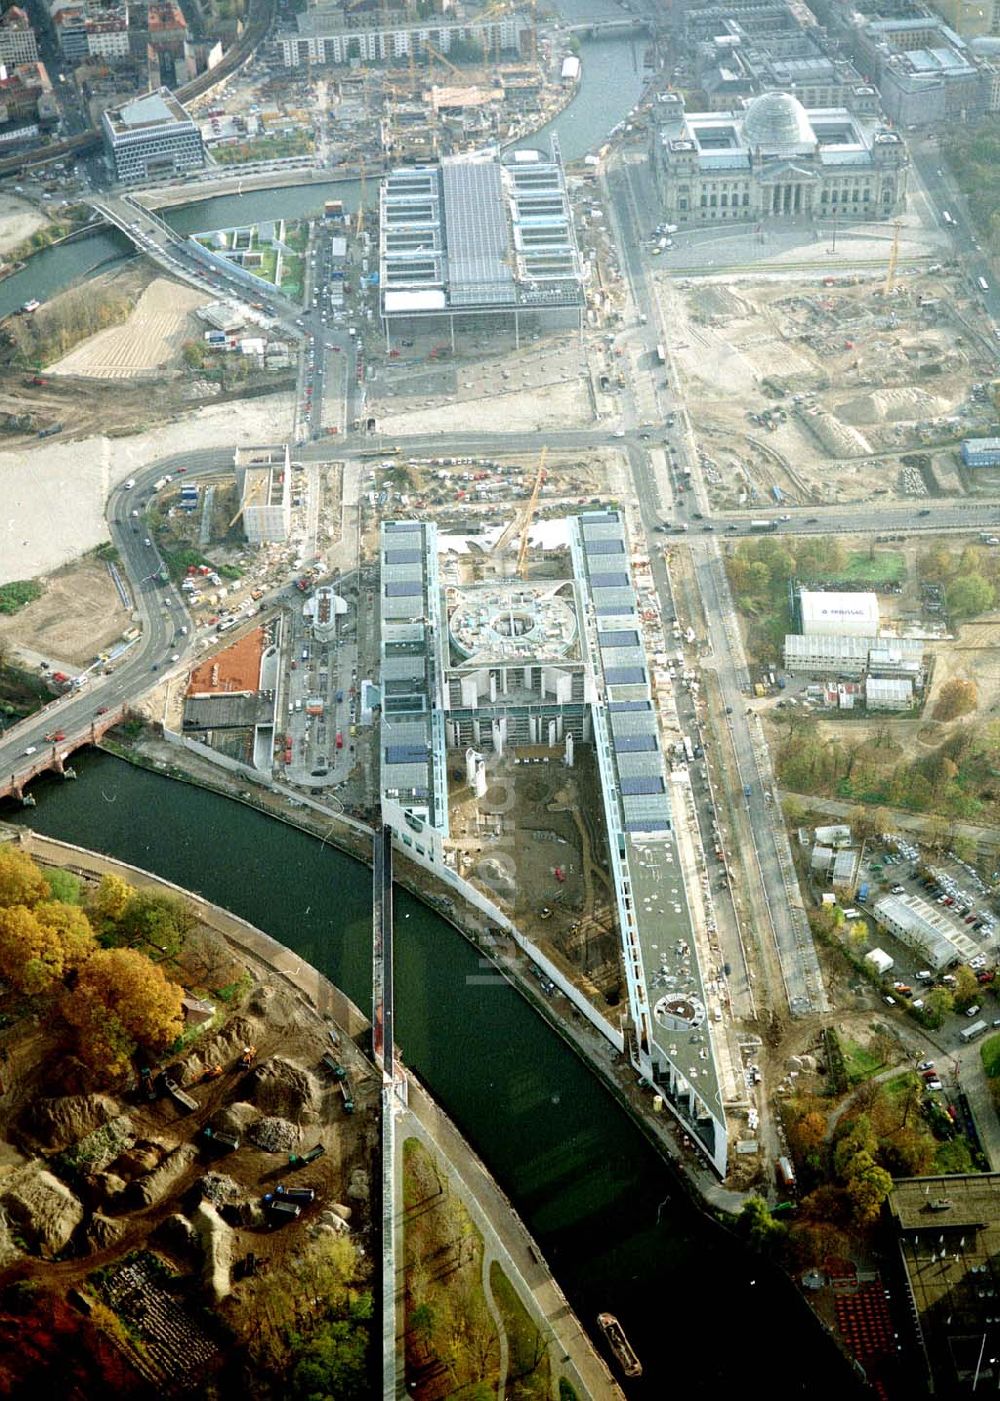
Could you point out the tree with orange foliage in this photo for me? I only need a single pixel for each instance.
(121, 1001)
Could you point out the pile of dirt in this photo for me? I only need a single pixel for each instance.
(61, 1121)
(216, 1239)
(158, 1184)
(892, 406)
(275, 1135)
(836, 438)
(282, 1089)
(44, 1210)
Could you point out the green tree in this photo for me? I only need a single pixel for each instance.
(857, 1138)
(867, 1188)
(938, 1004)
(330, 1365)
(966, 990)
(64, 886)
(21, 882)
(162, 921)
(970, 595)
(759, 1226)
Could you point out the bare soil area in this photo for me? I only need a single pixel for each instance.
(542, 385)
(821, 390)
(148, 343)
(78, 615)
(18, 221)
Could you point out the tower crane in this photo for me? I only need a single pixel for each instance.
(435, 53)
(529, 514)
(521, 520)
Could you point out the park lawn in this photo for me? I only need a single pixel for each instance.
(528, 1376)
(884, 567)
(859, 1063)
(899, 1084)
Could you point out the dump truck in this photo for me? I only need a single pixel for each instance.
(348, 1096)
(179, 1096)
(297, 1160)
(331, 1064)
(281, 1211)
(220, 1139)
(303, 1195)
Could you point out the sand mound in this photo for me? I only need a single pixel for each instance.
(44, 1209)
(60, 1122)
(286, 1091)
(157, 327)
(148, 1190)
(892, 406)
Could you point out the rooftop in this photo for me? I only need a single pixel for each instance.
(155, 109)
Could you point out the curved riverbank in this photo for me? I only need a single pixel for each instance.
(509, 1239)
(606, 1211)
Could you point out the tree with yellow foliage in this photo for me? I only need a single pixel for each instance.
(110, 900)
(38, 947)
(21, 882)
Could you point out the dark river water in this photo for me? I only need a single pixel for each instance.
(612, 1223)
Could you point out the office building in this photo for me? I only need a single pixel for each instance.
(479, 241)
(151, 137)
(479, 669)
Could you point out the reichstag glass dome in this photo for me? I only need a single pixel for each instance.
(776, 120)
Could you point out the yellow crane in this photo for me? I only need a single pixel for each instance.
(522, 519)
(249, 497)
(529, 514)
(360, 225)
(890, 275)
(435, 53)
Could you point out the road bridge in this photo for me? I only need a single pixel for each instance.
(55, 753)
(612, 28)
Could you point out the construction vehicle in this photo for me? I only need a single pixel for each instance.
(247, 1057)
(281, 1211)
(331, 1064)
(347, 1095)
(220, 1139)
(146, 1082)
(303, 1195)
(212, 1072)
(297, 1160)
(180, 1098)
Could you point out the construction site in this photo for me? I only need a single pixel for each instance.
(501, 81)
(827, 390)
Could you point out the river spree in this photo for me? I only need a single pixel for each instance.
(616, 1230)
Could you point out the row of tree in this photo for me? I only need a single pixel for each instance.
(89, 960)
(959, 778)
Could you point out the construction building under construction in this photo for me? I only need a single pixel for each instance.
(264, 491)
(526, 663)
(479, 242)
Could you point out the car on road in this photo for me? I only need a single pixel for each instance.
(924, 512)
(147, 541)
(55, 736)
(101, 710)
(31, 749)
(934, 1084)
